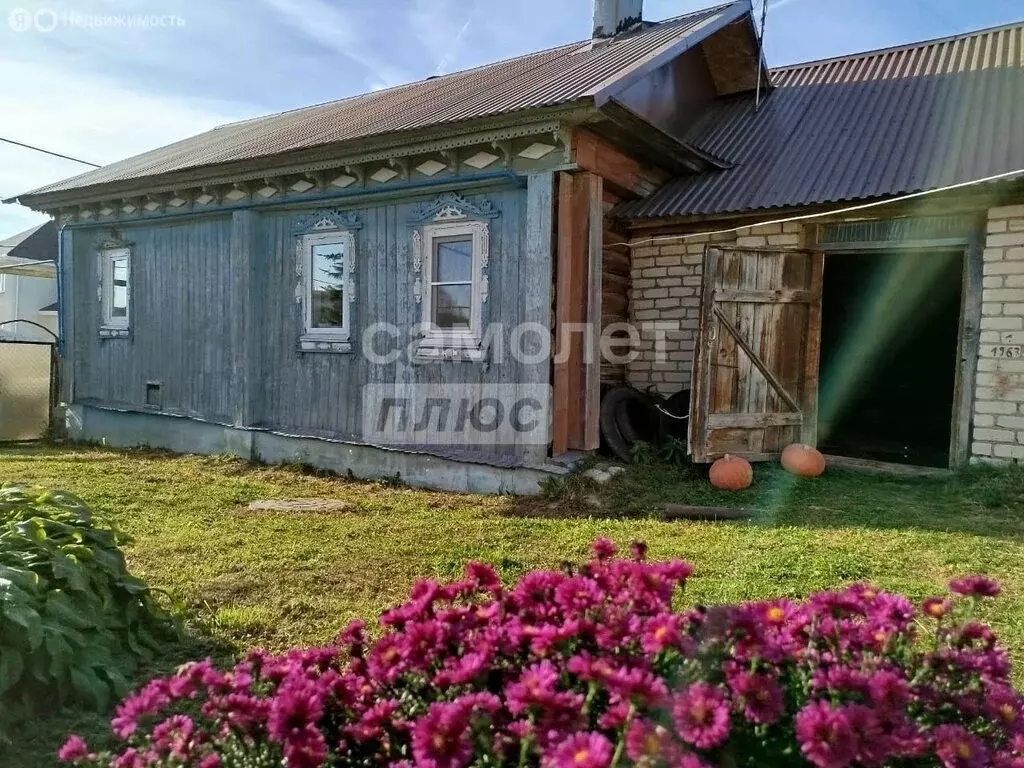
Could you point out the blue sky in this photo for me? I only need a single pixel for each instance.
(106, 93)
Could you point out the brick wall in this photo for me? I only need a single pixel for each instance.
(665, 301)
(665, 304)
(999, 395)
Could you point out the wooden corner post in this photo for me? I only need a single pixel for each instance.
(577, 360)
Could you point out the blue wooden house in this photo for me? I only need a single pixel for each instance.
(370, 285)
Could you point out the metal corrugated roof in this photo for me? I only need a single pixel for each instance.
(866, 126)
(558, 76)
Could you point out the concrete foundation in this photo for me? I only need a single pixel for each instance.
(128, 429)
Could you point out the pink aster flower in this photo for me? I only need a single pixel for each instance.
(660, 632)
(956, 747)
(305, 749)
(536, 686)
(645, 739)
(132, 758)
(826, 736)
(603, 549)
(440, 738)
(578, 594)
(888, 691)
(173, 735)
(297, 706)
(583, 750)
(353, 635)
(148, 701)
(701, 715)
(483, 576)
(638, 550)
(74, 749)
(761, 695)
(1004, 706)
(975, 586)
(935, 607)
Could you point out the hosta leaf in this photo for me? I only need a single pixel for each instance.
(59, 605)
(11, 666)
(90, 687)
(67, 570)
(134, 586)
(80, 551)
(32, 529)
(27, 619)
(22, 577)
(73, 621)
(61, 654)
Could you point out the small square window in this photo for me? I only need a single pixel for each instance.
(328, 285)
(115, 287)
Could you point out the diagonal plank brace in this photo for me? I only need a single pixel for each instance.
(745, 346)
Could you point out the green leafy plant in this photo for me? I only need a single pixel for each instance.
(674, 451)
(73, 622)
(642, 453)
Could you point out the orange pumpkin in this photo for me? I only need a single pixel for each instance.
(803, 460)
(731, 473)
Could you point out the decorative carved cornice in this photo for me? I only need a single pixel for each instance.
(279, 184)
(327, 221)
(452, 206)
(109, 239)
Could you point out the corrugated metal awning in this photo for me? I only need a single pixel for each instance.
(868, 126)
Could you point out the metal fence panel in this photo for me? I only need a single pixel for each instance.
(25, 390)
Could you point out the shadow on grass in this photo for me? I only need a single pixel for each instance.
(982, 501)
(36, 744)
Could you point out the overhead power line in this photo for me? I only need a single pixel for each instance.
(48, 152)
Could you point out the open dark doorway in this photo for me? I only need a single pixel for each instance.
(889, 346)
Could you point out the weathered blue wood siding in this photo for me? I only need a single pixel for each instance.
(181, 313)
(216, 321)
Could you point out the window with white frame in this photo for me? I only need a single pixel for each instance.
(453, 286)
(3, 282)
(115, 287)
(328, 286)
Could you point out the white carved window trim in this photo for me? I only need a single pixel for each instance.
(114, 326)
(327, 339)
(438, 343)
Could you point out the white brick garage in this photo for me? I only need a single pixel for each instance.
(999, 396)
(666, 305)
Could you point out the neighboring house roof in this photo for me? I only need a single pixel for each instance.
(579, 72)
(870, 125)
(36, 244)
(31, 253)
(51, 307)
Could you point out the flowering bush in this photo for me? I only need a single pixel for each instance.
(591, 667)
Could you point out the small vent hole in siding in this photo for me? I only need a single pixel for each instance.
(153, 398)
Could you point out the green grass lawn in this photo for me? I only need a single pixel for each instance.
(276, 580)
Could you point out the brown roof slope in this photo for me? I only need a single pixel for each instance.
(553, 77)
(871, 125)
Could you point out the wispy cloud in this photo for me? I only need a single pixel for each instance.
(333, 29)
(440, 26)
(450, 54)
(86, 116)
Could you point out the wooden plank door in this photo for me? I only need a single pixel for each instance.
(755, 380)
